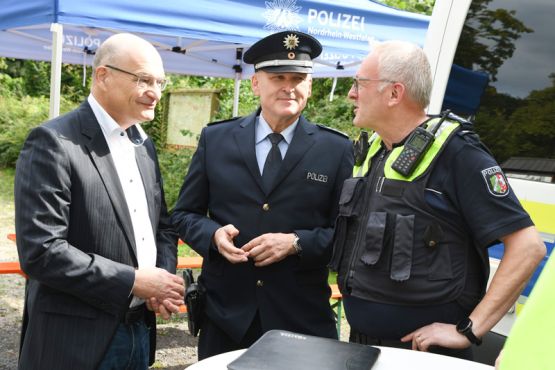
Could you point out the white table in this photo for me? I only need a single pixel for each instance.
(390, 359)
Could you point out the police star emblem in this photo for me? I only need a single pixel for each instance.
(290, 42)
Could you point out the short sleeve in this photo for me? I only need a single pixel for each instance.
(476, 187)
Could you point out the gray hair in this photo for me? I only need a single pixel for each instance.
(406, 63)
(107, 53)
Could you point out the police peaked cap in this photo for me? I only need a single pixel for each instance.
(287, 51)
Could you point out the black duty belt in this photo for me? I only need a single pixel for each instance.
(134, 314)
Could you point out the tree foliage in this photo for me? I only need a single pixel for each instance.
(414, 6)
(32, 78)
(488, 38)
(510, 126)
(518, 127)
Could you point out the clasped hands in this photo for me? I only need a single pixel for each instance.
(162, 291)
(264, 249)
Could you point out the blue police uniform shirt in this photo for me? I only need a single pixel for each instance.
(263, 144)
(457, 189)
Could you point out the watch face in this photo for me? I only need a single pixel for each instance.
(464, 325)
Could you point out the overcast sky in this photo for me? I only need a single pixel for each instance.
(534, 57)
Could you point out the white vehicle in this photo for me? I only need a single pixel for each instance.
(524, 73)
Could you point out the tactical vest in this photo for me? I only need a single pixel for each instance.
(390, 245)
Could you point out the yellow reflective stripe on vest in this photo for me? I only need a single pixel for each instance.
(445, 131)
(442, 135)
(375, 141)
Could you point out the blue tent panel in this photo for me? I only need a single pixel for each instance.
(208, 32)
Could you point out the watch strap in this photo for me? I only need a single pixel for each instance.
(466, 330)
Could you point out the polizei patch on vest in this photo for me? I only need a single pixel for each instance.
(496, 181)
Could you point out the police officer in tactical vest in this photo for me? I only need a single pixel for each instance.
(425, 201)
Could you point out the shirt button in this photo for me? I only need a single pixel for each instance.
(259, 283)
(121, 134)
(266, 207)
(131, 180)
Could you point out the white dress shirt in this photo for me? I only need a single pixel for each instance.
(263, 144)
(123, 156)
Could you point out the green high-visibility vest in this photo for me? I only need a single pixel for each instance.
(531, 341)
(441, 137)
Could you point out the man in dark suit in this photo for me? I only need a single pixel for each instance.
(260, 207)
(93, 232)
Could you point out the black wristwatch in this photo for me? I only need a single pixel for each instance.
(465, 328)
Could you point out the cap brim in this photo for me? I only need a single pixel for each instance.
(282, 69)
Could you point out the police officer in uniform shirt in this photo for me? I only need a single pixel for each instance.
(425, 201)
(259, 204)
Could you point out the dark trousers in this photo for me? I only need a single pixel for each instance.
(356, 337)
(213, 340)
(129, 348)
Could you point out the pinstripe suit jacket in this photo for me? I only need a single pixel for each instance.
(75, 241)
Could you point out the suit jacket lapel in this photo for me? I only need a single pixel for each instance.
(102, 160)
(301, 143)
(144, 162)
(244, 138)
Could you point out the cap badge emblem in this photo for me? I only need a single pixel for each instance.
(291, 41)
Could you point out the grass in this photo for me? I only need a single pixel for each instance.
(7, 211)
(183, 250)
(6, 185)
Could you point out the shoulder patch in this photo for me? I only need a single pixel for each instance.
(337, 132)
(222, 121)
(496, 181)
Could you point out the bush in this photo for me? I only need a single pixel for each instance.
(17, 118)
(337, 114)
(18, 115)
(174, 165)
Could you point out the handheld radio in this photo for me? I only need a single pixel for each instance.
(416, 146)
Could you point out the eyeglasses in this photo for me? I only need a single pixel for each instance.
(143, 81)
(357, 81)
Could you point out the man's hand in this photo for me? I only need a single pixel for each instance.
(270, 248)
(223, 238)
(154, 282)
(436, 334)
(160, 308)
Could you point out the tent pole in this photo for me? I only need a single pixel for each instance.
(56, 69)
(237, 85)
(333, 86)
(236, 89)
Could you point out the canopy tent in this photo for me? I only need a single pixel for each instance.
(202, 37)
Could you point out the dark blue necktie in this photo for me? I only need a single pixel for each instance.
(273, 162)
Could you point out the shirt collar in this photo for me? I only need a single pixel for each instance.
(263, 129)
(110, 127)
